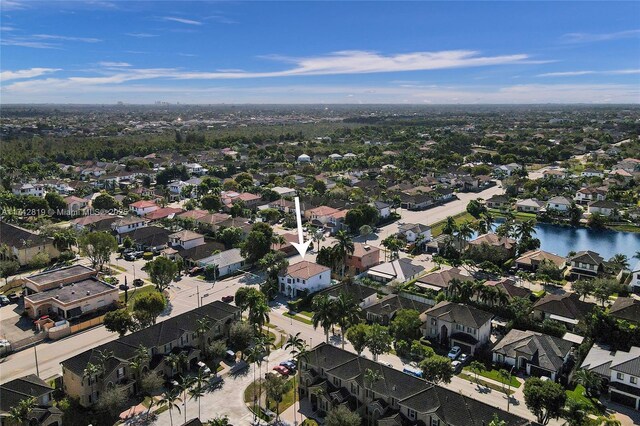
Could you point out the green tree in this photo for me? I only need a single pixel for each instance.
(323, 314)
(344, 247)
(590, 380)
(477, 367)
(583, 288)
(365, 231)
(171, 399)
(241, 334)
(298, 350)
(97, 246)
(545, 399)
(475, 208)
(276, 386)
(406, 325)
(342, 416)
(8, 268)
(219, 421)
(56, 203)
(258, 242)
(161, 272)
(495, 421)
(211, 203)
(199, 387)
(21, 412)
(378, 340)
(203, 326)
(119, 321)
(437, 369)
(620, 260)
(347, 313)
(112, 399)
(357, 335)
(231, 236)
(40, 260)
(106, 202)
(147, 307)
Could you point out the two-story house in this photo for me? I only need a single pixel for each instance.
(143, 207)
(128, 224)
(626, 309)
(304, 278)
(384, 209)
(173, 335)
(43, 412)
(589, 194)
(634, 285)
(37, 190)
(558, 204)
(364, 256)
(414, 232)
(536, 353)
(585, 264)
(531, 260)
(566, 308)
(186, 239)
(330, 376)
(457, 324)
(620, 369)
(22, 245)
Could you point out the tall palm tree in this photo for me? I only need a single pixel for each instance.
(450, 226)
(171, 399)
(259, 314)
(370, 378)
(590, 380)
(317, 236)
(323, 314)
(454, 288)
(525, 230)
(198, 389)
(347, 313)
(184, 384)
(140, 359)
(345, 247)
(255, 356)
(297, 348)
(203, 325)
(260, 348)
(465, 231)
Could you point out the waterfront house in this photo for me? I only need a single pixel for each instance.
(585, 264)
(558, 204)
(530, 205)
(566, 308)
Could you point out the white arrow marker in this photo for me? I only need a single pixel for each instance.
(301, 246)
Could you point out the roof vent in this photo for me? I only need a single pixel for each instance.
(88, 293)
(73, 292)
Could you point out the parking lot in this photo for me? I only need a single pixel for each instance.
(13, 326)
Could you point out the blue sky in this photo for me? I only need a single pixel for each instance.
(320, 52)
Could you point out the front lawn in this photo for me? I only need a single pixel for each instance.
(299, 318)
(577, 394)
(436, 228)
(493, 375)
(137, 292)
(490, 385)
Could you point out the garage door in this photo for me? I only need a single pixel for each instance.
(623, 399)
(464, 347)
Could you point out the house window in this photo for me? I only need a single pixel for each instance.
(620, 376)
(411, 413)
(337, 381)
(633, 380)
(435, 422)
(434, 321)
(120, 372)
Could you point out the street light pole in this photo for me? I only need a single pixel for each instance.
(35, 352)
(509, 388)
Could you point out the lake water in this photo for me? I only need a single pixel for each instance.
(563, 239)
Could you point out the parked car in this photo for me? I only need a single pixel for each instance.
(281, 369)
(196, 271)
(412, 371)
(14, 298)
(464, 358)
(138, 282)
(4, 300)
(129, 256)
(454, 352)
(205, 369)
(455, 366)
(289, 365)
(227, 299)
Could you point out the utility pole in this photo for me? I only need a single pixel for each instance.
(198, 294)
(35, 352)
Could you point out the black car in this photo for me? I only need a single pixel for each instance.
(123, 287)
(130, 257)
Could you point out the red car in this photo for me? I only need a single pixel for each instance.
(281, 369)
(227, 299)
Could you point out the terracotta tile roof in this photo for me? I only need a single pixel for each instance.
(305, 270)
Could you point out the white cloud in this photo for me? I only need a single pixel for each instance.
(181, 20)
(21, 42)
(22, 74)
(590, 37)
(141, 35)
(9, 5)
(579, 73)
(66, 38)
(114, 64)
(7, 28)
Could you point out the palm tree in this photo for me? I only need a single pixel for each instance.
(259, 314)
(203, 325)
(255, 355)
(317, 236)
(298, 350)
(344, 247)
(347, 313)
(466, 291)
(323, 314)
(171, 400)
(140, 359)
(454, 287)
(620, 260)
(590, 380)
(370, 378)
(198, 390)
(525, 230)
(20, 413)
(465, 231)
(184, 384)
(450, 226)
(365, 231)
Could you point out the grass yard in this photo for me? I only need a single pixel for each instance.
(625, 228)
(299, 318)
(287, 400)
(436, 228)
(577, 395)
(490, 385)
(493, 375)
(137, 292)
(117, 268)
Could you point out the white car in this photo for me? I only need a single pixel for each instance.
(455, 365)
(206, 370)
(454, 352)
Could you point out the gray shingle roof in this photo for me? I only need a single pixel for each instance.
(460, 313)
(546, 351)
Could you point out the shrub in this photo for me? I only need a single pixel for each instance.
(147, 255)
(295, 305)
